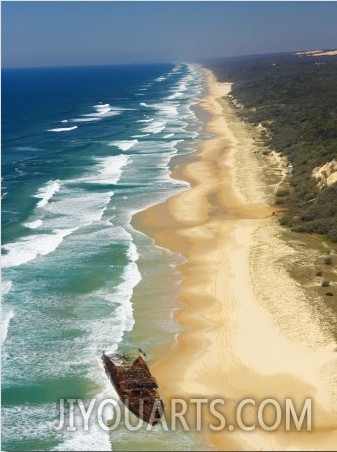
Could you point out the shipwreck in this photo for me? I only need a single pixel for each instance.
(136, 388)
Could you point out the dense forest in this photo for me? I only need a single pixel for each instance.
(295, 99)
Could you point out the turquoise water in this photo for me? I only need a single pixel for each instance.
(83, 149)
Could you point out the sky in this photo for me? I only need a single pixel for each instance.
(72, 33)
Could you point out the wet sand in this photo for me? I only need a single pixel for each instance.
(247, 330)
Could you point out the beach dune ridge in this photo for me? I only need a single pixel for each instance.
(247, 330)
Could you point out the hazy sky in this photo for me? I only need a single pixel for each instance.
(48, 33)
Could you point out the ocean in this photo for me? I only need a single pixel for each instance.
(83, 150)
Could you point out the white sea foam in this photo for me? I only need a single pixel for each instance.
(120, 297)
(100, 115)
(62, 129)
(102, 107)
(163, 108)
(65, 218)
(105, 333)
(155, 127)
(5, 320)
(168, 110)
(20, 172)
(182, 86)
(29, 248)
(160, 79)
(101, 331)
(33, 224)
(122, 319)
(94, 118)
(131, 278)
(108, 170)
(124, 145)
(101, 111)
(80, 440)
(5, 287)
(175, 95)
(140, 136)
(177, 68)
(28, 421)
(169, 135)
(46, 192)
(161, 152)
(64, 120)
(27, 148)
(145, 120)
(75, 208)
(132, 252)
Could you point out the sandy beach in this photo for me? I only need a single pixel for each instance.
(247, 329)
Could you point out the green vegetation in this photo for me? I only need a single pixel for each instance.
(325, 283)
(328, 260)
(283, 192)
(286, 220)
(295, 99)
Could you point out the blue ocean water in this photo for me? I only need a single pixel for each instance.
(83, 149)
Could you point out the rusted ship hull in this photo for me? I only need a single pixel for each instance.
(136, 388)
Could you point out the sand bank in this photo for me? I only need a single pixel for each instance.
(248, 332)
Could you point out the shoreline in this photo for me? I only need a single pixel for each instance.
(234, 343)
